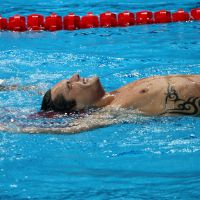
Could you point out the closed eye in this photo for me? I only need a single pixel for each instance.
(69, 85)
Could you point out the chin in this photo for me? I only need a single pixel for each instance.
(93, 80)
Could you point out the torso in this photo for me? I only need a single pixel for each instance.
(176, 94)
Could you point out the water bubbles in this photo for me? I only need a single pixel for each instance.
(13, 186)
(193, 136)
(2, 81)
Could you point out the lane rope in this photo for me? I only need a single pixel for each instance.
(37, 22)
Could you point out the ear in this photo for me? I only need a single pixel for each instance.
(62, 105)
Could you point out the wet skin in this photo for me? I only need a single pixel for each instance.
(149, 96)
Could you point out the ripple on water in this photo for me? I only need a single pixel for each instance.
(149, 158)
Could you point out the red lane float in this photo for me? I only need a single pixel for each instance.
(195, 14)
(36, 22)
(3, 24)
(17, 23)
(71, 22)
(180, 16)
(126, 18)
(53, 22)
(90, 21)
(144, 17)
(108, 19)
(162, 16)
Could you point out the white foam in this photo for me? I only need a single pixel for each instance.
(1, 81)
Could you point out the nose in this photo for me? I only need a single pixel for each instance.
(75, 77)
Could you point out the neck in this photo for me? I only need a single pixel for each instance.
(105, 100)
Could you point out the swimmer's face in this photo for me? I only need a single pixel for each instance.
(85, 91)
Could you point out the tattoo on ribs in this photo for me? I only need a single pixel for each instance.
(191, 106)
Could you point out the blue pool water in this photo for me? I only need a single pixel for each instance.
(151, 158)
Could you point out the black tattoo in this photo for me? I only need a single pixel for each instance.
(191, 106)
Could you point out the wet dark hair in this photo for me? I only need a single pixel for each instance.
(59, 104)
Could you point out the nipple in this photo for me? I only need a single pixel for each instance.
(143, 91)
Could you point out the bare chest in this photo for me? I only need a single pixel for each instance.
(141, 96)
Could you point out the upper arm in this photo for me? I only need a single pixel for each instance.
(97, 119)
(92, 121)
(85, 123)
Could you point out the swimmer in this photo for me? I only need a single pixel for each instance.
(153, 96)
(158, 95)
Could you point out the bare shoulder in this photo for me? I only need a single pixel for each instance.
(172, 76)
